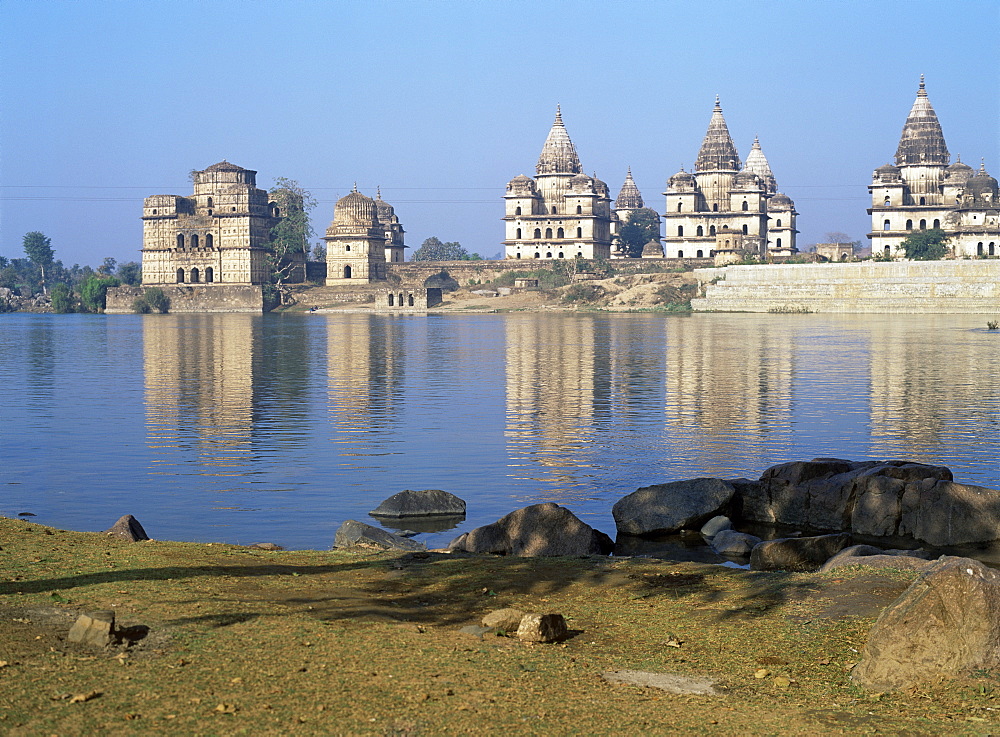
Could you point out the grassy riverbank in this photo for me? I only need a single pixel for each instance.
(258, 642)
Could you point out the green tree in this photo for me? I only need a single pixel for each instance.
(319, 252)
(926, 245)
(94, 292)
(62, 298)
(293, 232)
(433, 249)
(130, 272)
(108, 267)
(641, 227)
(38, 248)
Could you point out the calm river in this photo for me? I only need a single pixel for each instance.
(241, 429)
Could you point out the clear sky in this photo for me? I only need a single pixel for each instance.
(105, 102)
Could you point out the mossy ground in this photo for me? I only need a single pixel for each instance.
(245, 641)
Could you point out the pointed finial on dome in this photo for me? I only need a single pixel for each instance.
(378, 191)
(958, 158)
(922, 92)
(718, 105)
(559, 113)
(982, 165)
(355, 187)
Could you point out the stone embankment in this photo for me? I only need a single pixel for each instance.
(944, 287)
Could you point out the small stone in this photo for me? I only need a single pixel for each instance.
(95, 628)
(474, 630)
(127, 528)
(504, 620)
(542, 628)
(716, 525)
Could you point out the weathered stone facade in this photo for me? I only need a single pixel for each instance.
(219, 235)
(394, 246)
(726, 207)
(562, 212)
(402, 299)
(922, 191)
(213, 297)
(355, 242)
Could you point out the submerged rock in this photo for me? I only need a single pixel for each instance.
(541, 529)
(797, 553)
(354, 534)
(426, 503)
(716, 525)
(666, 508)
(731, 542)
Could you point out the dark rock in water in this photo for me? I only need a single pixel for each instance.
(876, 498)
(354, 534)
(946, 623)
(731, 542)
(542, 628)
(665, 508)
(26, 514)
(541, 529)
(127, 528)
(716, 525)
(797, 553)
(96, 629)
(426, 503)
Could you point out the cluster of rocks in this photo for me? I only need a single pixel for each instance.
(11, 300)
(526, 626)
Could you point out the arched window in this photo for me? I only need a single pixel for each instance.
(778, 243)
(725, 227)
(579, 254)
(517, 256)
(923, 225)
(778, 224)
(746, 205)
(680, 231)
(537, 254)
(680, 205)
(579, 209)
(701, 231)
(194, 241)
(210, 204)
(680, 254)
(538, 233)
(392, 299)
(700, 253)
(992, 251)
(518, 237)
(347, 248)
(195, 276)
(548, 232)
(579, 232)
(888, 251)
(711, 230)
(887, 201)
(746, 230)
(548, 255)
(209, 274)
(409, 300)
(885, 226)
(554, 211)
(518, 210)
(561, 255)
(180, 240)
(937, 223)
(560, 233)
(347, 272)
(180, 276)
(923, 201)
(727, 243)
(401, 299)
(909, 225)
(209, 240)
(715, 207)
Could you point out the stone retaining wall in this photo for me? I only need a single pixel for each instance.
(193, 298)
(944, 287)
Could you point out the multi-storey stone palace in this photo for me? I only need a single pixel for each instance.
(922, 190)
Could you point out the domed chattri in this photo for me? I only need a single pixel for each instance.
(355, 210)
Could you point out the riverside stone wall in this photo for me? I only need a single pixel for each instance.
(945, 287)
(193, 298)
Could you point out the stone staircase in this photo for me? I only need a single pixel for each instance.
(946, 287)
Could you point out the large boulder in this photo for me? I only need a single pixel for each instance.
(945, 623)
(354, 534)
(666, 508)
(797, 553)
(426, 503)
(127, 528)
(875, 498)
(541, 529)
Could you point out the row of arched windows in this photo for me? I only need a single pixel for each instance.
(404, 300)
(699, 254)
(194, 276)
(981, 252)
(552, 211)
(560, 233)
(549, 255)
(923, 224)
(193, 240)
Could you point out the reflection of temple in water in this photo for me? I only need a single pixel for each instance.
(364, 370)
(199, 382)
(729, 376)
(928, 390)
(552, 367)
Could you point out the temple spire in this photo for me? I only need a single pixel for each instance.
(922, 141)
(558, 154)
(757, 164)
(629, 198)
(717, 150)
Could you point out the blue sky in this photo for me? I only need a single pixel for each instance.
(441, 103)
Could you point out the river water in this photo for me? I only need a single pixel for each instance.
(242, 428)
